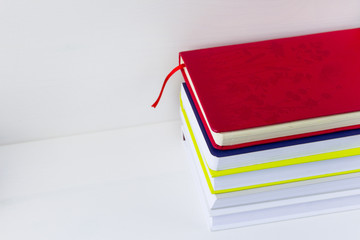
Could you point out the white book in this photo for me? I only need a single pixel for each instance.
(269, 204)
(282, 213)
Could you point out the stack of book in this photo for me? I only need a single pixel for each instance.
(272, 128)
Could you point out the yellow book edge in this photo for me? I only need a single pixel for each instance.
(201, 160)
(282, 163)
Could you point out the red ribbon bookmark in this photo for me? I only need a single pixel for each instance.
(181, 66)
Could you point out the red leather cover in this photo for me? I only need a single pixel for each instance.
(276, 81)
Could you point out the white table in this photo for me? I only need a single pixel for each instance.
(132, 183)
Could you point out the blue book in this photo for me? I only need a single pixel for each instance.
(276, 154)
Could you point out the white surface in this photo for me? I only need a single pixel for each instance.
(69, 67)
(82, 187)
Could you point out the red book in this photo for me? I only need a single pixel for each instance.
(275, 90)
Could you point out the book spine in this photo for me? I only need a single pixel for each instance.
(198, 108)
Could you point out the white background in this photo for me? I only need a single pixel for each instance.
(76, 66)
